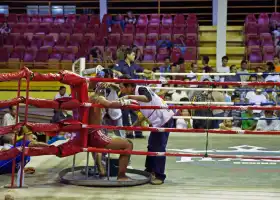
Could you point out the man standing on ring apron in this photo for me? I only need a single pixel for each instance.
(157, 118)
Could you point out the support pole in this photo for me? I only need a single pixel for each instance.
(87, 165)
(103, 9)
(73, 165)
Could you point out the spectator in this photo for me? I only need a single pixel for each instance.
(259, 78)
(181, 65)
(276, 63)
(271, 69)
(118, 19)
(130, 18)
(224, 68)
(205, 63)
(127, 66)
(178, 94)
(61, 93)
(167, 97)
(120, 53)
(268, 125)
(166, 67)
(244, 67)
(235, 78)
(276, 34)
(10, 117)
(96, 55)
(248, 124)
(5, 29)
(184, 123)
(270, 94)
(217, 96)
(138, 55)
(228, 125)
(236, 114)
(192, 77)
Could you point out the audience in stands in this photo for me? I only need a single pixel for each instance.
(228, 125)
(96, 55)
(5, 29)
(118, 19)
(205, 63)
(234, 78)
(259, 78)
(248, 123)
(235, 113)
(192, 77)
(271, 69)
(217, 96)
(184, 123)
(266, 124)
(276, 63)
(223, 68)
(178, 94)
(61, 93)
(10, 117)
(244, 69)
(166, 66)
(130, 18)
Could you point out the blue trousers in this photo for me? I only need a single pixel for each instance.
(110, 22)
(157, 143)
(216, 123)
(126, 122)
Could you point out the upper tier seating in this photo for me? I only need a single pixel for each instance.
(69, 37)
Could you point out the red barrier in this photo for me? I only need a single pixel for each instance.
(9, 154)
(43, 103)
(10, 129)
(11, 102)
(46, 77)
(12, 76)
(70, 78)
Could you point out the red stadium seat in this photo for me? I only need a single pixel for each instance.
(71, 19)
(275, 18)
(94, 19)
(116, 28)
(176, 54)
(162, 54)
(22, 41)
(43, 28)
(141, 29)
(152, 39)
(140, 39)
(192, 19)
(2, 18)
(18, 53)
(29, 55)
(190, 54)
(179, 19)
(255, 55)
(266, 39)
(191, 40)
(154, 19)
(35, 19)
(79, 28)
(42, 56)
(126, 39)
(166, 29)
(179, 29)
(129, 28)
(114, 39)
(12, 18)
(142, 20)
(252, 40)
(251, 28)
(83, 19)
(24, 18)
(149, 55)
(66, 28)
(167, 19)
(191, 28)
(59, 19)
(47, 19)
(250, 18)
(268, 53)
(4, 55)
(153, 28)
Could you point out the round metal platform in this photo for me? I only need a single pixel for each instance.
(138, 177)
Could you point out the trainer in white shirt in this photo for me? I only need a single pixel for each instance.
(61, 93)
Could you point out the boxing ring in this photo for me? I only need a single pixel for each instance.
(78, 103)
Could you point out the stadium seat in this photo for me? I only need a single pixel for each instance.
(68, 57)
(42, 56)
(141, 29)
(266, 39)
(75, 40)
(255, 55)
(192, 28)
(92, 28)
(105, 18)
(2, 18)
(54, 28)
(49, 41)
(142, 20)
(139, 39)
(268, 53)
(15, 57)
(251, 28)
(263, 18)
(35, 19)
(165, 36)
(36, 41)
(24, 18)
(165, 29)
(152, 39)
(66, 28)
(129, 28)
(79, 28)
(114, 39)
(83, 19)
(149, 55)
(252, 40)
(47, 19)
(71, 19)
(179, 29)
(275, 18)
(191, 19)
(250, 18)
(18, 28)
(62, 41)
(29, 55)
(116, 28)
(54, 59)
(22, 41)
(94, 19)
(167, 19)
(126, 39)
(190, 54)
(153, 28)
(43, 28)
(191, 40)
(10, 40)
(176, 54)
(112, 50)
(12, 18)
(162, 53)
(4, 56)
(154, 19)
(31, 28)
(179, 19)
(59, 19)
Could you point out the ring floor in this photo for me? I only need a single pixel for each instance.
(187, 178)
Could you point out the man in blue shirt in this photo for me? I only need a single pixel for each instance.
(128, 67)
(166, 67)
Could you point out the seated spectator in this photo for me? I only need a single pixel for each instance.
(138, 55)
(130, 18)
(118, 19)
(248, 124)
(256, 97)
(5, 29)
(276, 63)
(244, 67)
(270, 94)
(181, 66)
(205, 63)
(271, 69)
(166, 66)
(184, 123)
(217, 96)
(180, 42)
(178, 94)
(228, 125)
(276, 35)
(192, 77)
(96, 55)
(223, 68)
(235, 113)
(259, 78)
(167, 97)
(235, 78)
(120, 53)
(268, 125)
(61, 93)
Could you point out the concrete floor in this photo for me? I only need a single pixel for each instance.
(186, 178)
